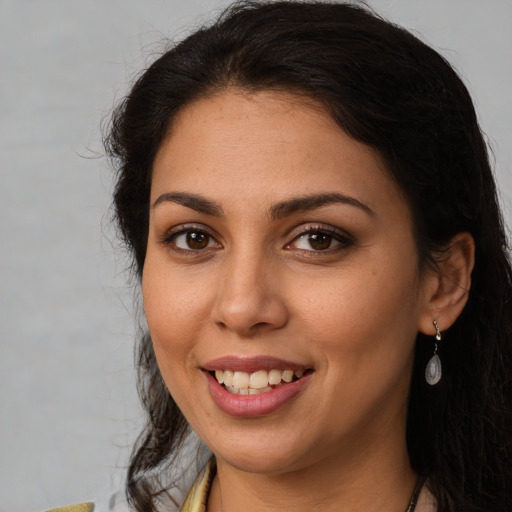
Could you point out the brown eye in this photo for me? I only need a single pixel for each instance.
(316, 241)
(192, 240)
(197, 240)
(320, 238)
(320, 241)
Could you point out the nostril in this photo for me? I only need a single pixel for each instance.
(221, 325)
(249, 314)
(259, 325)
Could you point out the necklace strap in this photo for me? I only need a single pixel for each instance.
(416, 493)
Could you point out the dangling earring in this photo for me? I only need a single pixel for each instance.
(433, 371)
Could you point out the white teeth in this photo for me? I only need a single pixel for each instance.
(241, 380)
(287, 375)
(228, 377)
(243, 383)
(274, 377)
(248, 391)
(258, 380)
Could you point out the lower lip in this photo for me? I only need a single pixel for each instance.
(252, 406)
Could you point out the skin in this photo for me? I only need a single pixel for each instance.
(350, 312)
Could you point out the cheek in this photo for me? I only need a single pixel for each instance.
(364, 317)
(174, 298)
(364, 331)
(173, 317)
(175, 313)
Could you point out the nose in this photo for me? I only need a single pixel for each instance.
(249, 300)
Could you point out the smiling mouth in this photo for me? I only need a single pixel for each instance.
(256, 383)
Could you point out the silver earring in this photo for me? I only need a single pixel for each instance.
(433, 371)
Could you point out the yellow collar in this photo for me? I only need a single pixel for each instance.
(81, 507)
(197, 497)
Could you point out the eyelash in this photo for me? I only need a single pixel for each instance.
(169, 239)
(344, 240)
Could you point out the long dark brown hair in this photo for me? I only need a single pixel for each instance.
(387, 89)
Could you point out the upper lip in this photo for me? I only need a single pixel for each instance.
(252, 364)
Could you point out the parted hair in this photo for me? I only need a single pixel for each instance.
(387, 89)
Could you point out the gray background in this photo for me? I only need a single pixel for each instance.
(68, 408)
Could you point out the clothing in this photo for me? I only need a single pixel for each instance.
(197, 497)
(81, 507)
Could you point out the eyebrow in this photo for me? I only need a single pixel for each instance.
(193, 201)
(277, 211)
(311, 202)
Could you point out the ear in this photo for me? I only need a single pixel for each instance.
(447, 287)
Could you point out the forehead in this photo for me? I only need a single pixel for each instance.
(267, 145)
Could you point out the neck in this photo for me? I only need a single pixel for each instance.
(373, 477)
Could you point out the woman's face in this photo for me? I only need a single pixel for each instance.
(278, 245)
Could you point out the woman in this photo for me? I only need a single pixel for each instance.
(309, 204)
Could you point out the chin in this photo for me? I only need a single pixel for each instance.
(261, 457)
